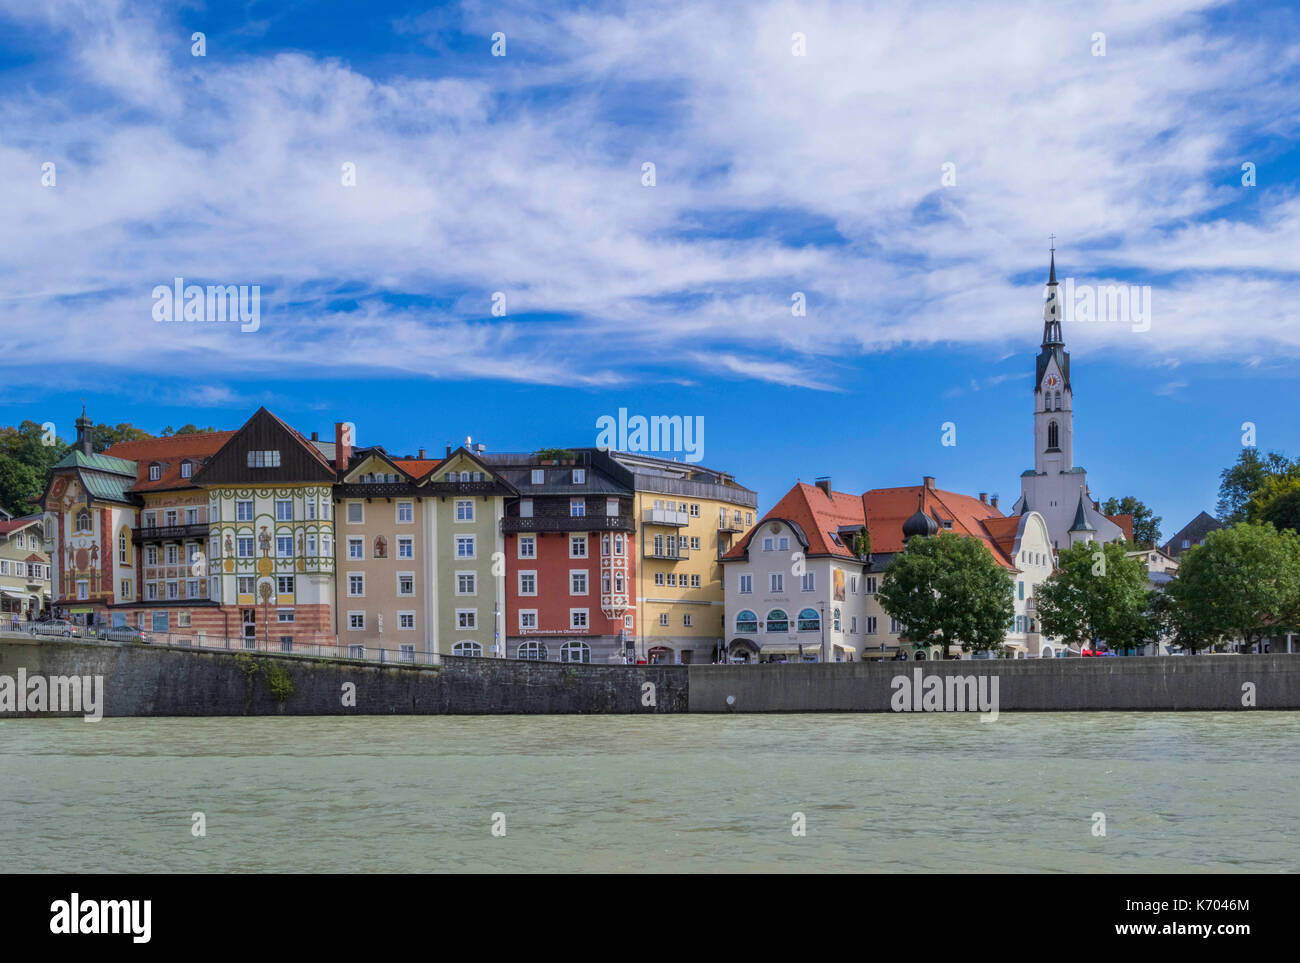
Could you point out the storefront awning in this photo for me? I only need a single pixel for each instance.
(11, 594)
(790, 648)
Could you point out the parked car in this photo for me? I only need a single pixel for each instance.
(61, 627)
(124, 633)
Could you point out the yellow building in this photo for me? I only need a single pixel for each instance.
(687, 517)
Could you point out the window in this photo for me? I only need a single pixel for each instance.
(776, 581)
(311, 509)
(169, 517)
(173, 590)
(809, 621)
(464, 546)
(835, 621)
(869, 585)
(695, 581)
(746, 584)
(527, 583)
(243, 511)
(659, 578)
(183, 620)
(853, 584)
(853, 625)
(187, 469)
(871, 625)
(284, 546)
(577, 583)
(695, 511)
(579, 476)
(465, 583)
(121, 547)
(777, 621)
(284, 585)
(577, 507)
(151, 555)
(895, 626)
(746, 621)
(769, 544)
(150, 591)
(1187, 543)
(663, 618)
(808, 582)
(356, 547)
(406, 621)
(325, 509)
(618, 544)
(527, 546)
(356, 513)
(467, 618)
(539, 476)
(575, 651)
(191, 516)
(244, 584)
(604, 584)
(356, 584)
(283, 510)
(783, 543)
(155, 472)
(532, 651)
(672, 579)
(124, 589)
(1053, 435)
(577, 618)
(686, 620)
(356, 620)
(467, 649)
(150, 519)
(525, 508)
(577, 546)
(464, 510)
(527, 619)
(405, 546)
(618, 581)
(264, 459)
(173, 554)
(1022, 589)
(405, 583)
(405, 512)
(611, 506)
(284, 615)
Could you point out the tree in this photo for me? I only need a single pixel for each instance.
(20, 486)
(948, 590)
(1167, 621)
(1096, 592)
(1243, 583)
(1283, 511)
(1146, 523)
(185, 430)
(30, 444)
(862, 543)
(1240, 481)
(105, 436)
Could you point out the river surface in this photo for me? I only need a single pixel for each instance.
(1180, 793)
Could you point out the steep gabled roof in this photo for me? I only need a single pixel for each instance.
(170, 453)
(300, 460)
(817, 515)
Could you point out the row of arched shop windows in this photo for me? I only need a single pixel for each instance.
(777, 620)
(532, 651)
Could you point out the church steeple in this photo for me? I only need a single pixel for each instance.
(1052, 309)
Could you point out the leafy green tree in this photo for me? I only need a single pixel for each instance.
(20, 486)
(948, 590)
(1096, 592)
(28, 444)
(1283, 511)
(1242, 480)
(1146, 523)
(1243, 583)
(862, 543)
(105, 436)
(185, 430)
(1167, 622)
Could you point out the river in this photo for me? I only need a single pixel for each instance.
(1180, 793)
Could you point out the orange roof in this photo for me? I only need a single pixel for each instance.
(416, 467)
(884, 510)
(1125, 522)
(170, 452)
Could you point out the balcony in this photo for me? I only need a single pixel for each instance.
(725, 525)
(168, 533)
(567, 523)
(677, 554)
(664, 516)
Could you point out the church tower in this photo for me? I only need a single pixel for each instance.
(1053, 397)
(1056, 487)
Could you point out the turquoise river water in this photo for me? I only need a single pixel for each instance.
(1180, 793)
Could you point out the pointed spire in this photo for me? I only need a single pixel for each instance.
(1081, 523)
(1052, 277)
(1052, 306)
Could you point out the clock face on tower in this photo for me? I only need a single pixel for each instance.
(1051, 381)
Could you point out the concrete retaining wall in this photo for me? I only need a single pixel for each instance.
(149, 680)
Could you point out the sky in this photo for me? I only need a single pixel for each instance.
(501, 267)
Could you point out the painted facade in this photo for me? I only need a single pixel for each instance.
(24, 568)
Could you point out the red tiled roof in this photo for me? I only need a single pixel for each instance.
(884, 510)
(1125, 522)
(170, 452)
(14, 524)
(417, 468)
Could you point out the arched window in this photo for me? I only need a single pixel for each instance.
(467, 648)
(778, 621)
(1053, 435)
(575, 652)
(83, 520)
(746, 621)
(809, 621)
(533, 651)
(1058, 401)
(618, 582)
(618, 544)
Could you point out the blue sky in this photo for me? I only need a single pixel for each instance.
(775, 174)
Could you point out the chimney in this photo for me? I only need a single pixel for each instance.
(824, 483)
(342, 445)
(85, 433)
(421, 454)
(994, 501)
(928, 481)
(315, 436)
(984, 498)
(449, 451)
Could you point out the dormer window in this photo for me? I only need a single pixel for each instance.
(187, 469)
(155, 471)
(539, 476)
(579, 476)
(264, 459)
